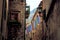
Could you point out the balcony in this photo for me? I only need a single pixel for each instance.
(27, 12)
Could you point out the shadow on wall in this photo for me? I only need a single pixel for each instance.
(50, 9)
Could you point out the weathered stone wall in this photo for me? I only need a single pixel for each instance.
(20, 6)
(1, 1)
(46, 5)
(54, 23)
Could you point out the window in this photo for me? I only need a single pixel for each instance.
(34, 24)
(13, 16)
(29, 28)
(4, 9)
(38, 19)
(11, 0)
(44, 13)
(21, 0)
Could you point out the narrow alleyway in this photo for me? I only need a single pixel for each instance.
(29, 19)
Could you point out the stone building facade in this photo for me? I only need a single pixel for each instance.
(17, 8)
(36, 29)
(52, 19)
(1, 1)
